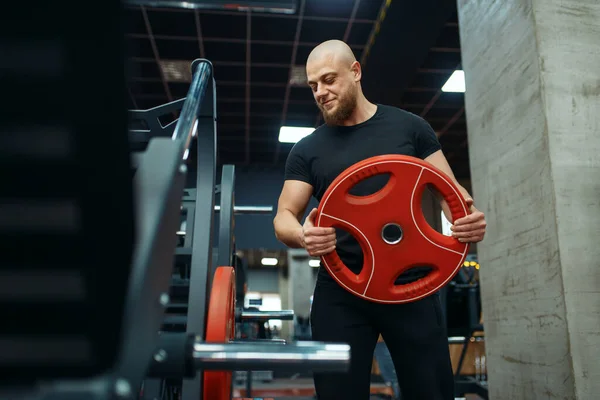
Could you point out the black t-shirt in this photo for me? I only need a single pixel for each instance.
(320, 157)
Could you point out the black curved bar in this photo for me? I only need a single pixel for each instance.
(187, 126)
(226, 217)
(198, 118)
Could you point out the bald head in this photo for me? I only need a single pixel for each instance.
(334, 76)
(334, 51)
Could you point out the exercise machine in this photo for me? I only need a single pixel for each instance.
(88, 250)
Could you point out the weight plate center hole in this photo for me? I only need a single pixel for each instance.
(392, 233)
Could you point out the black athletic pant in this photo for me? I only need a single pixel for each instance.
(413, 332)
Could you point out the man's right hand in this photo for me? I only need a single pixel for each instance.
(317, 241)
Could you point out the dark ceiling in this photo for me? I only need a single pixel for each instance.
(408, 50)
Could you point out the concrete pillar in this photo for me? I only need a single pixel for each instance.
(533, 113)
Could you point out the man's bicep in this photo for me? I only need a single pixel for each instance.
(426, 141)
(438, 160)
(295, 197)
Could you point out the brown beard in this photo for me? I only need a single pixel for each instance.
(346, 106)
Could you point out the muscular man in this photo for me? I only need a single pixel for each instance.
(356, 129)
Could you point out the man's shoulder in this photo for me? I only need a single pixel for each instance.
(313, 138)
(300, 148)
(397, 112)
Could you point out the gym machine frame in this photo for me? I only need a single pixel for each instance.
(228, 211)
(223, 255)
(226, 246)
(144, 352)
(183, 355)
(85, 362)
(226, 240)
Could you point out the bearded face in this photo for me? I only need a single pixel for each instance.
(340, 107)
(335, 87)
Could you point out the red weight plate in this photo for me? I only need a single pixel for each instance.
(220, 328)
(398, 202)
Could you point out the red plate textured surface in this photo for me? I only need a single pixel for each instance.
(399, 202)
(220, 328)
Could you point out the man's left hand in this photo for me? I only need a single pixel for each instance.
(471, 228)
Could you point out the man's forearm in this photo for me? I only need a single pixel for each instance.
(287, 229)
(446, 210)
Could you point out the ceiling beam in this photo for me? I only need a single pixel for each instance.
(229, 100)
(262, 100)
(220, 63)
(437, 95)
(267, 15)
(429, 105)
(351, 21)
(156, 55)
(248, 69)
(198, 37)
(346, 36)
(288, 86)
(454, 132)
(251, 65)
(451, 122)
(275, 114)
(132, 98)
(254, 83)
(230, 40)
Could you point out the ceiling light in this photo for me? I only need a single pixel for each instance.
(292, 134)
(314, 263)
(268, 261)
(456, 82)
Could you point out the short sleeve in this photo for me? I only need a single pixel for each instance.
(296, 167)
(426, 141)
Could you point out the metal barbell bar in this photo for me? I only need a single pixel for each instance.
(258, 316)
(283, 315)
(249, 209)
(307, 356)
(181, 355)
